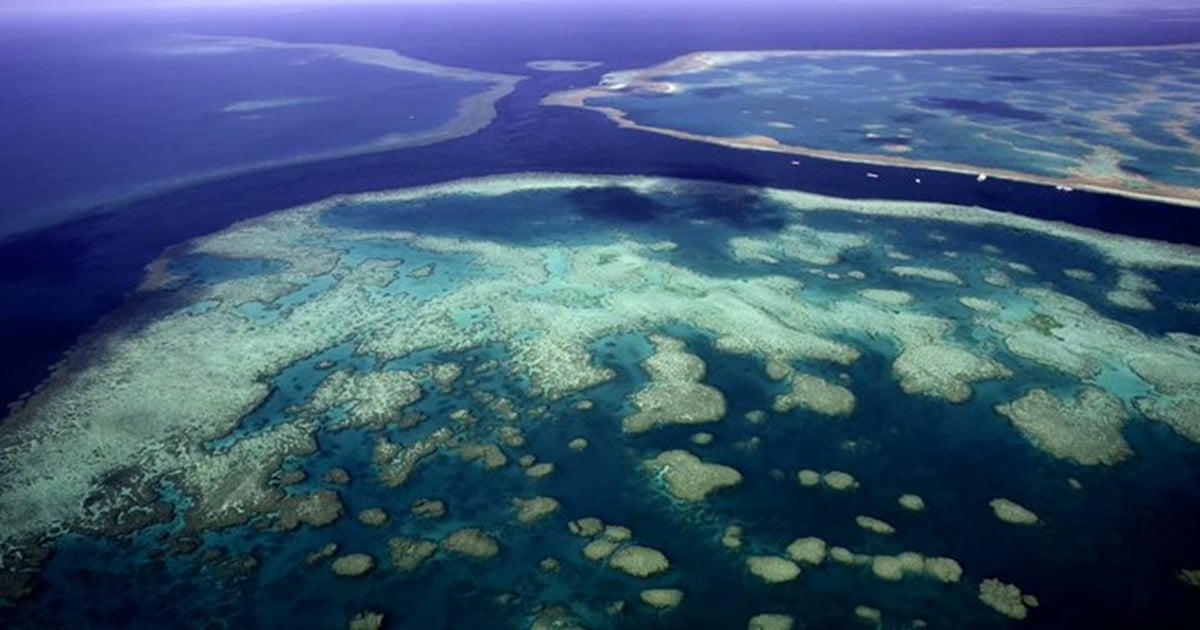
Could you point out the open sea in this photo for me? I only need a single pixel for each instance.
(119, 173)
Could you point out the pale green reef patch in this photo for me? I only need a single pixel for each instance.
(252, 106)
(689, 478)
(370, 399)
(874, 525)
(1012, 512)
(561, 65)
(675, 394)
(773, 569)
(927, 273)
(888, 296)
(944, 371)
(1006, 599)
(1086, 430)
(1131, 291)
(810, 550)
(769, 621)
(663, 598)
(815, 394)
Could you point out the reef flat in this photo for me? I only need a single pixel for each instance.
(1113, 119)
(372, 400)
(473, 110)
(562, 65)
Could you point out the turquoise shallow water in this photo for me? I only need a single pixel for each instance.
(956, 456)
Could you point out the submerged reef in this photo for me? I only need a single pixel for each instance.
(809, 550)
(1006, 599)
(662, 597)
(561, 65)
(1013, 512)
(639, 561)
(911, 502)
(675, 394)
(816, 394)
(768, 621)
(479, 399)
(944, 371)
(1086, 430)
(946, 110)
(689, 478)
(773, 569)
(472, 112)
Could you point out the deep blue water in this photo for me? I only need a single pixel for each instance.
(58, 282)
(125, 112)
(62, 280)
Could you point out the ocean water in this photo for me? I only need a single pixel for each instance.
(164, 109)
(66, 279)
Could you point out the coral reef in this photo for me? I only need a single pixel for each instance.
(322, 554)
(352, 565)
(808, 478)
(370, 399)
(844, 556)
(599, 549)
(927, 273)
(895, 568)
(773, 569)
(912, 502)
(891, 297)
(1006, 599)
(587, 527)
(1130, 291)
(408, 554)
(428, 508)
(731, 538)
(639, 561)
(840, 481)
(662, 598)
(809, 550)
(366, 620)
(529, 511)
(540, 470)
(314, 510)
(1012, 512)
(770, 621)
(395, 463)
(815, 394)
(1190, 577)
(675, 394)
(688, 478)
(869, 615)
(471, 542)
(373, 517)
(944, 371)
(1086, 430)
(172, 398)
(874, 525)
